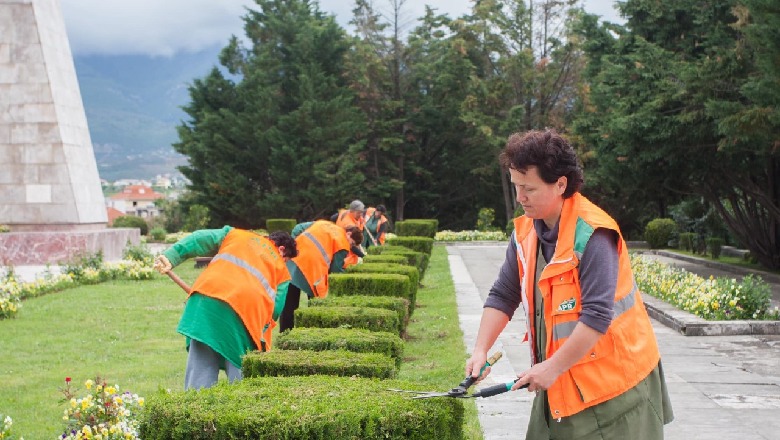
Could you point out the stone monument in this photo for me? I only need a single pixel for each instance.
(50, 194)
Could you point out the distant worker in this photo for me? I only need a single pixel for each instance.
(323, 246)
(234, 304)
(375, 226)
(353, 217)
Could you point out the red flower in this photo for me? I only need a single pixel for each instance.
(67, 380)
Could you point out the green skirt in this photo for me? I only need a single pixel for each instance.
(639, 414)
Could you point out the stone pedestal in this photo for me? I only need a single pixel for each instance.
(49, 187)
(61, 247)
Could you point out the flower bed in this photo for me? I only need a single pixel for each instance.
(104, 413)
(470, 236)
(709, 298)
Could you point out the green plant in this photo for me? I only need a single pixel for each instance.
(300, 362)
(280, 224)
(351, 339)
(417, 227)
(686, 241)
(714, 246)
(138, 252)
(369, 318)
(6, 433)
(485, 219)
(415, 243)
(103, 413)
(659, 231)
(384, 284)
(4, 228)
(198, 217)
(158, 234)
(131, 221)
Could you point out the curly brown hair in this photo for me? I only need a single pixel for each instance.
(549, 152)
(355, 233)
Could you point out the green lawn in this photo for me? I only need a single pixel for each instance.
(125, 331)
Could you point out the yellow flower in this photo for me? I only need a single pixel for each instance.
(89, 384)
(715, 305)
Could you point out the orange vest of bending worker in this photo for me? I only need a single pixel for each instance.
(382, 220)
(345, 219)
(626, 353)
(316, 247)
(244, 274)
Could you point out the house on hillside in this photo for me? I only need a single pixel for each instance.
(136, 200)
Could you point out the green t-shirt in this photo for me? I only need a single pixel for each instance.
(210, 320)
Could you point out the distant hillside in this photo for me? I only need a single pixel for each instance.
(133, 105)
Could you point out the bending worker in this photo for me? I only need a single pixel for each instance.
(375, 226)
(353, 217)
(595, 364)
(234, 304)
(323, 247)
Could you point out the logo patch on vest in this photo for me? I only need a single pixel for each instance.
(567, 305)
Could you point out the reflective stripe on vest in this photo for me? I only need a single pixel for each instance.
(319, 247)
(565, 329)
(246, 266)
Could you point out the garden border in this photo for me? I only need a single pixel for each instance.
(689, 324)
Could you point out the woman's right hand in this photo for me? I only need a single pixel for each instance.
(475, 363)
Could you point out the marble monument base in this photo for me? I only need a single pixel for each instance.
(64, 246)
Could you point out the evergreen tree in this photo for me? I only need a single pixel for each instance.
(279, 136)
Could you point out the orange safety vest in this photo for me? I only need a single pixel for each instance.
(245, 274)
(626, 353)
(345, 219)
(382, 220)
(316, 247)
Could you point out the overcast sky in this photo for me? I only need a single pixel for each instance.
(166, 27)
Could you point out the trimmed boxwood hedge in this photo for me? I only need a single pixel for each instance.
(280, 224)
(350, 339)
(301, 408)
(308, 362)
(417, 259)
(398, 305)
(375, 284)
(417, 227)
(388, 258)
(419, 244)
(378, 320)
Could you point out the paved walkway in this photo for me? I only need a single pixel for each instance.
(722, 387)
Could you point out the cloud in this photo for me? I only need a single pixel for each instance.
(150, 27)
(167, 27)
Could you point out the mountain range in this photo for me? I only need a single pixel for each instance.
(133, 105)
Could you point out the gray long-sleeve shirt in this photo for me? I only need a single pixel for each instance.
(598, 272)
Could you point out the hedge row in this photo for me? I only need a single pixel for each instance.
(357, 340)
(414, 258)
(309, 362)
(386, 258)
(280, 224)
(378, 320)
(373, 284)
(308, 407)
(419, 244)
(398, 305)
(417, 227)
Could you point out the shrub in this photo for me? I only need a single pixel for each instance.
(714, 245)
(302, 408)
(388, 258)
(369, 318)
(4, 228)
(308, 362)
(485, 219)
(398, 305)
(350, 339)
(158, 234)
(686, 240)
(348, 284)
(415, 258)
(138, 253)
(417, 228)
(131, 221)
(419, 244)
(280, 224)
(659, 231)
(198, 217)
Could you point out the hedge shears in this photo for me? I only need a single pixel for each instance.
(461, 391)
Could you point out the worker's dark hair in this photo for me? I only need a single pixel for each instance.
(281, 238)
(356, 234)
(381, 208)
(549, 152)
